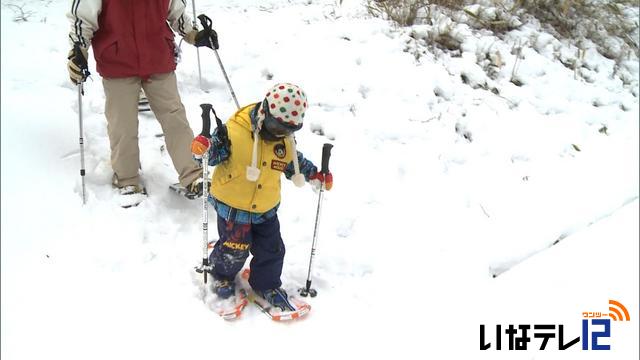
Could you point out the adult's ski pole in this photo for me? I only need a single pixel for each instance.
(326, 154)
(195, 27)
(81, 62)
(207, 25)
(82, 171)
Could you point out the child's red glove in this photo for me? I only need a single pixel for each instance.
(318, 178)
(199, 146)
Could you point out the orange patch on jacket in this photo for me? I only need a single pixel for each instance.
(278, 165)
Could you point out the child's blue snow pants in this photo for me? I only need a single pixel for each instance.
(237, 240)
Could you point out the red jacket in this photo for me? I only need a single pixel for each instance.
(133, 39)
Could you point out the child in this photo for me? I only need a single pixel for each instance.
(251, 152)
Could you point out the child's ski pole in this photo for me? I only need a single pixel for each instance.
(326, 154)
(206, 132)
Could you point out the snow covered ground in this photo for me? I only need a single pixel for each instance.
(439, 186)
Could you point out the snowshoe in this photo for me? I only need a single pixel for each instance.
(226, 299)
(131, 195)
(193, 191)
(276, 303)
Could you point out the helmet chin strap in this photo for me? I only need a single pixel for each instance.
(266, 135)
(253, 173)
(297, 178)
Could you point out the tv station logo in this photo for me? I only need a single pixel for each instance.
(596, 327)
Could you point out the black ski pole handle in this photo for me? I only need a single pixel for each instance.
(205, 21)
(207, 24)
(326, 154)
(80, 61)
(206, 120)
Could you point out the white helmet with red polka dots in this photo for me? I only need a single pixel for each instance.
(283, 108)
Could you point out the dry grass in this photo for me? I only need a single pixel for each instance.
(607, 23)
(406, 12)
(587, 19)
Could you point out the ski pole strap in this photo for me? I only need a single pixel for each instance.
(218, 121)
(326, 154)
(223, 136)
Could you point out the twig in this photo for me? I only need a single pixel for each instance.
(21, 15)
(484, 211)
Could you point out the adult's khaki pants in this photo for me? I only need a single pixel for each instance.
(121, 110)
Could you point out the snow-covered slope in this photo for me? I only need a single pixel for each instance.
(438, 187)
